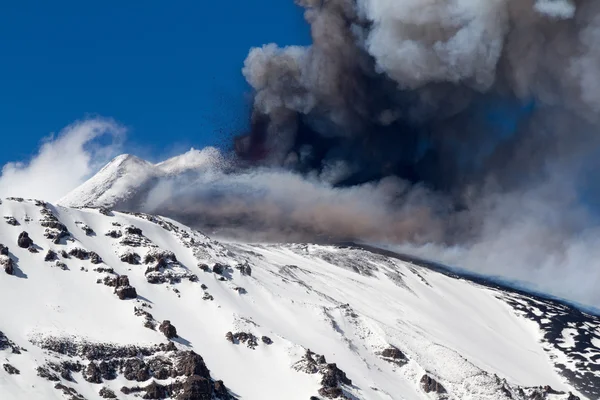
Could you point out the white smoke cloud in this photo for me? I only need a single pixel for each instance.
(63, 161)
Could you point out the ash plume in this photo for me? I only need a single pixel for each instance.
(482, 115)
(463, 130)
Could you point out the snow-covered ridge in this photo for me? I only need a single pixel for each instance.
(100, 302)
(128, 177)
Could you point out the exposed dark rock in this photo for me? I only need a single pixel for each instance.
(126, 292)
(8, 265)
(46, 374)
(168, 330)
(95, 258)
(219, 268)
(208, 297)
(204, 267)
(6, 343)
(104, 270)
(122, 280)
(222, 279)
(24, 241)
(131, 258)
(50, 256)
(11, 370)
(32, 250)
(156, 391)
(573, 397)
(244, 269)
(107, 370)
(333, 376)
(133, 230)
(135, 369)
(196, 388)
(114, 234)
(105, 211)
(431, 385)
(12, 221)
(221, 390)
(79, 253)
(242, 337)
(61, 265)
(64, 254)
(189, 363)
(92, 373)
(106, 393)
(266, 340)
(69, 391)
(393, 355)
(203, 286)
(3, 250)
(331, 392)
(240, 290)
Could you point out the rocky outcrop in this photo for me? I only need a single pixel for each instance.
(131, 258)
(3, 250)
(332, 378)
(11, 370)
(92, 373)
(394, 356)
(168, 329)
(12, 221)
(106, 393)
(430, 385)
(50, 256)
(7, 264)
(242, 337)
(24, 241)
(126, 292)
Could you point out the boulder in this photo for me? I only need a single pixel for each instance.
(430, 385)
(106, 393)
(3, 250)
(168, 330)
(126, 292)
(8, 265)
(24, 241)
(50, 256)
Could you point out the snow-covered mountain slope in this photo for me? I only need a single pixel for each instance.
(127, 179)
(100, 304)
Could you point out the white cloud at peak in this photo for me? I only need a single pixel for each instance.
(63, 161)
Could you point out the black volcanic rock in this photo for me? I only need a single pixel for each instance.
(24, 241)
(167, 329)
(221, 390)
(11, 370)
(430, 385)
(196, 388)
(92, 373)
(106, 393)
(50, 256)
(189, 364)
(8, 265)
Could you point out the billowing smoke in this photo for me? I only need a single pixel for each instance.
(463, 130)
(467, 128)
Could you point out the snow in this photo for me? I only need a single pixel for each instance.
(126, 176)
(301, 296)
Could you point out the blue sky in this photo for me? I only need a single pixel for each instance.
(169, 71)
